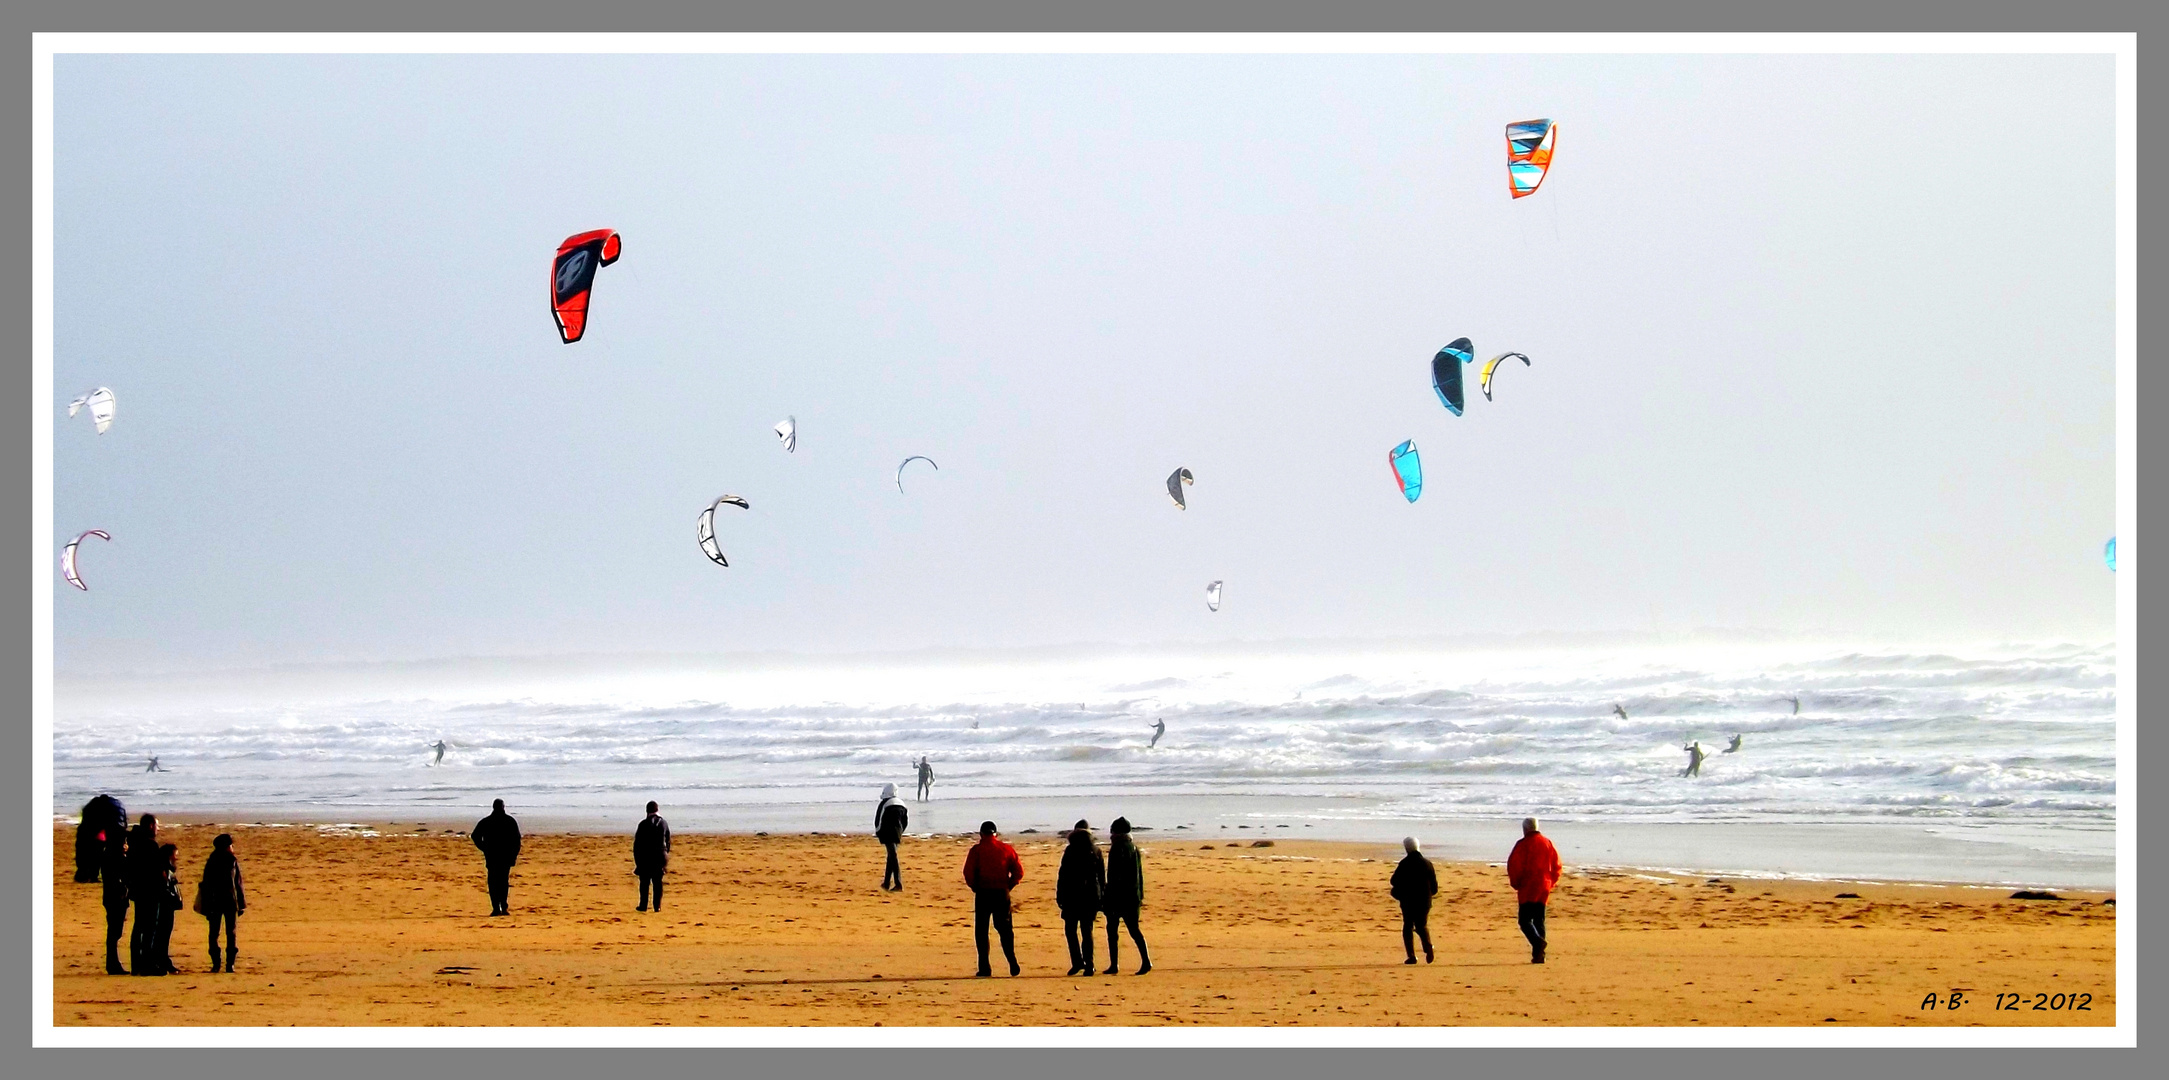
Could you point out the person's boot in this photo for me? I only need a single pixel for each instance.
(1014, 970)
(112, 959)
(230, 954)
(1144, 959)
(214, 960)
(1537, 956)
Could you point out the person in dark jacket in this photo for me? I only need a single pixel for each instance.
(1414, 884)
(169, 908)
(651, 855)
(101, 816)
(991, 869)
(147, 890)
(1079, 891)
(1125, 894)
(105, 825)
(498, 836)
(219, 897)
(891, 818)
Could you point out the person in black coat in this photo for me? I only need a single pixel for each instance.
(219, 897)
(101, 817)
(1079, 891)
(147, 889)
(1125, 895)
(651, 855)
(169, 908)
(891, 818)
(498, 837)
(1414, 884)
(101, 841)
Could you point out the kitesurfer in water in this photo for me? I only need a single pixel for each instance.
(1795, 704)
(1159, 728)
(1735, 747)
(440, 753)
(153, 767)
(1695, 754)
(1620, 710)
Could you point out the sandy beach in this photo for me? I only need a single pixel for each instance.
(387, 924)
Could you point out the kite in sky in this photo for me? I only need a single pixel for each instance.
(1492, 365)
(900, 468)
(1446, 373)
(788, 432)
(1407, 469)
(1175, 481)
(67, 557)
(1212, 596)
(713, 550)
(101, 408)
(572, 278)
(1529, 145)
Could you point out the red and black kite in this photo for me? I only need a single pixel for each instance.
(572, 279)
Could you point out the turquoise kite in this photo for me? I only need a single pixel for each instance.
(1407, 469)
(1446, 373)
(2108, 554)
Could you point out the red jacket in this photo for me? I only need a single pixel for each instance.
(1533, 868)
(992, 866)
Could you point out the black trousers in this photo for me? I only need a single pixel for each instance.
(500, 886)
(1416, 923)
(1532, 927)
(1114, 921)
(1078, 929)
(894, 872)
(143, 957)
(651, 879)
(233, 944)
(116, 921)
(993, 907)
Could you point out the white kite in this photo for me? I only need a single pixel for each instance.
(788, 432)
(1212, 596)
(708, 545)
(67, 557)
(101, 408)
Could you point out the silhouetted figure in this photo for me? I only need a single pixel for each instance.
(498, 837)
(1735, 747)
(147, 889)
(1619, 710)
(1414, 884)
(1079, 890)
(1695, 754)
(1795, 704)
(111, 861)
(220, 899)
(651, 855)
(891, 818)
(991, 869)
(153, 767)
(440, 748)
(169, 909)
(1125, 895)
(926, 779)
(1159, 728)
(1533, 869)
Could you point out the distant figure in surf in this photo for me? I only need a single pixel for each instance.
(1795, 705)
(891, 818)
(1735, 747)
(1159, 728)
(440, 753)
(1619, 709)
(651, 855)
(498, 837)
(1695, 754)
(926, 779)
(1414, 883)
(153, 766)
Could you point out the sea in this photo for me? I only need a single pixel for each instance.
(1991, 765)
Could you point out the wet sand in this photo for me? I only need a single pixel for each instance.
(389, 925)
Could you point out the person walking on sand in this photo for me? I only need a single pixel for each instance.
(651, 855)
(498, 837)
(169, 908)
(440, 748)
(146, 888)
(1533, 869)
(1159, 728)
(219, 897)
(991, 869)
(1079, 891)
(1695, 754)
(1414, 884)
(1125, 895)
(891, 818)
(926, 779)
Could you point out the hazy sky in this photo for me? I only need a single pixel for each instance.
(1818, 342)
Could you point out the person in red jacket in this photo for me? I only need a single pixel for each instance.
(992, 869)
(1533, 869)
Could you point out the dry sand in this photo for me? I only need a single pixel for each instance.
(389, 925)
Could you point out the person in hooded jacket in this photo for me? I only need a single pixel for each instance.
(1125, 895)
(1415, 882)
(169, 908)
(651, 855)
(105, 821)
(147, 889)
(498, 836)
(891, 818)
(101, 815)
(1533, 869)
(1078, 891)
(991, 869)
(219, 897)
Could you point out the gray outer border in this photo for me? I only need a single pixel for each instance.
(23, 17)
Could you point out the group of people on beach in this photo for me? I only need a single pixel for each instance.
(137, 870)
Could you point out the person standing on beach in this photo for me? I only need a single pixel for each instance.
(108, 838)
(498, 836)
(651, 855)
(1078, 891)
(1533, 869)
(146, 888)
(926, 778)
(1414, 884)
(891, 818)
(992, 869)
(1695, 754)
(1125, 895)
(169, 908)
(102, 817)
(219, 897)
